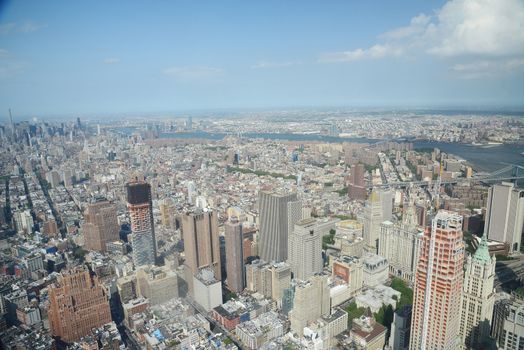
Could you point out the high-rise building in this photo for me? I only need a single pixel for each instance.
(305, 249)
(478, 297)
(508, 323)
(400, 245)
(505, 215)
(274, 225)
(438, 285)
(201, 241)
(311, 301)
(356, 185)
(379, 208)
(158, 284)
(139, 206)
(235, 258)
(77, 304)
(100, 225)
(400, 329)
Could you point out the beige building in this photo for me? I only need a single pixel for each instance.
(305, 249)
(269, 280)
(478, 297)
(100, 226)
(201, 244)
(234, 255)
(311, 301)
(158, 284)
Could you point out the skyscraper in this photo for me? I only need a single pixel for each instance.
(143, 240)
(505, 215)
(201, 244)
(274, 225)
(100, 226)
(508, 322)
(356, 185)
(305, 249)
(379, 208)
(77, 304)
(400, 329)
(438, 285)
(478, 297)
(235, 257)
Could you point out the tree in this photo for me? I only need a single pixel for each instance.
(406, 293)
(354, 312)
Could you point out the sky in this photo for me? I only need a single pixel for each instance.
(107, 57)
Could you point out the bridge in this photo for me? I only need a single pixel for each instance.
(511, 172)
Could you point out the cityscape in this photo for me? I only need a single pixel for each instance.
(310, 225)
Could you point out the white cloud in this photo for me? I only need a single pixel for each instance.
(271, 64)
(487, 68)
(373, 52)
(193, 73)
(9, 66)
(112, 60)
(23, 27)
(489, 30)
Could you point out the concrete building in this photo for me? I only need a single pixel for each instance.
(158, 284)
(400, 245)
(478, 297)
(375, 270)
(400, 329)
(356, 183)
(375, 298)
(77, 304)
(305, 249)
(379, 208)
(207, 289)
(304, 309)
(100, 225)
(275, 218)
(350, 270)
(140, 210)
(505, 215)
(438, 285)
(255, 333)
(235, 270)
(269, 280)
(508, 323)
(201, 243)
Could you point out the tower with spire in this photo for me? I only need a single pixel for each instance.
(478, 297)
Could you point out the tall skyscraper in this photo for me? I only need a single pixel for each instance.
(274, 225)
(139, 205)
(235, 257)
(100, 226)
(379, 208)
(478, 297)
(201, 243)
(77, 304)
(305, 249)
(356, 185)
(438, 285)
(505, 215)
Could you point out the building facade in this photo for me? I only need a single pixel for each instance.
(438, 285)
(305, 249)
(100, 226)
(235, 255)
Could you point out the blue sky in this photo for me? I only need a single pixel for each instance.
(93, 57)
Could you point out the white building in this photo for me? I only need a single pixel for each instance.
(376, 270)
(305, 249)
(207, 290)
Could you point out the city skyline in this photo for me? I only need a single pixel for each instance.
(175, 56)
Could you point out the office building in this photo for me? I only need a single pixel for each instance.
(311, 301)
(400, 245)
(505, 215)
(305, 249)
(78, 303)
(207, 289)
(356, 183)
(478, 297)
(142, 236)
(379, 208)
(508, 323)
(235, 257)
(438, 285)
(201, 241)
(157, 284)
(274, 225)
(100, 226)
(400, 329)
